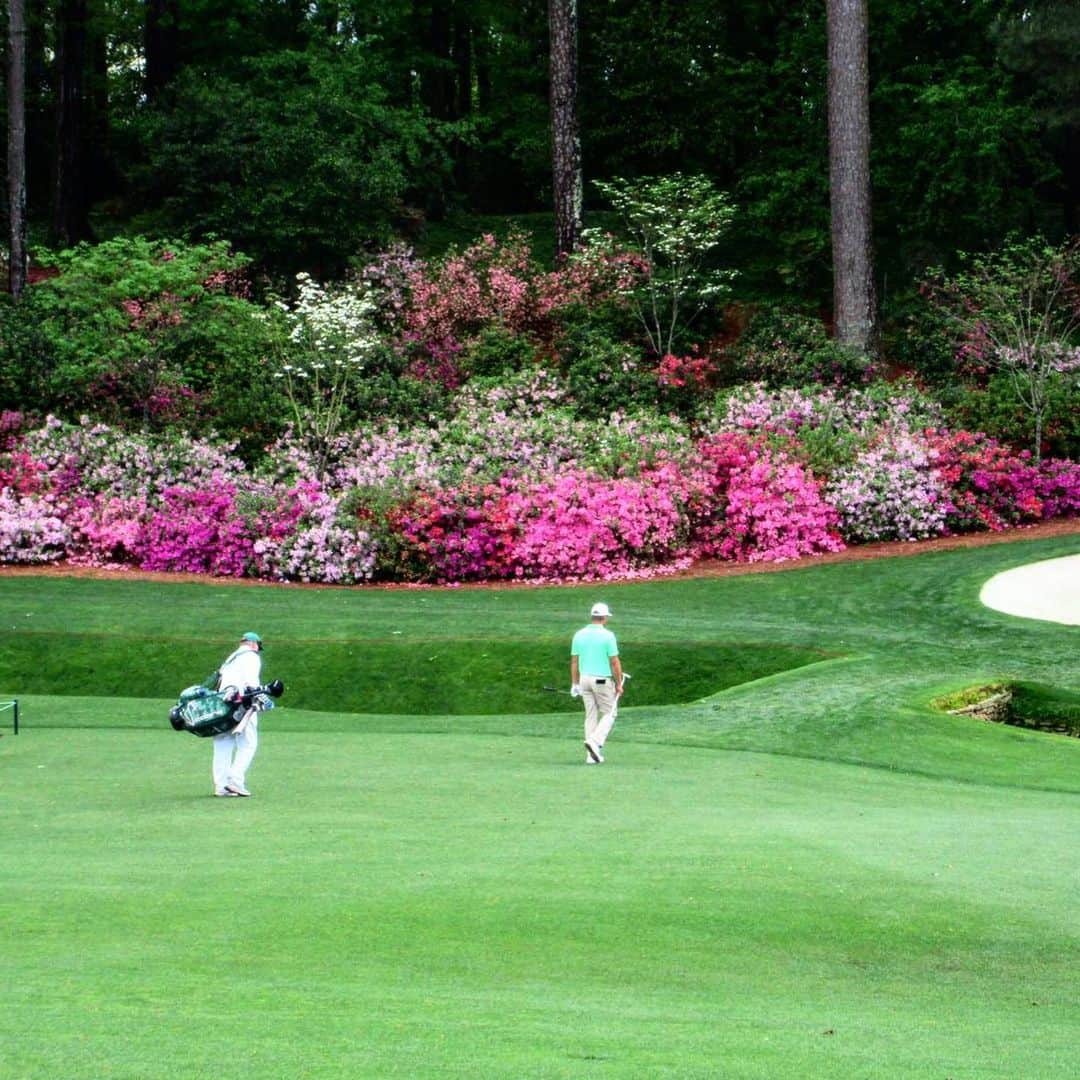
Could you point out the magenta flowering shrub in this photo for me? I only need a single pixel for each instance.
(107, 530)
(702, 480)
(464, 534)
(11, 426)
(582, 526)
(775, 511)
(31, 529)
(21, 473)
(514, 485)
(1059, 487)
(198, 531)
(989, 486)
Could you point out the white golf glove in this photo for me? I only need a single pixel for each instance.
(575, 690)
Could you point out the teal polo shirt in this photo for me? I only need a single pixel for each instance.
(594, 646)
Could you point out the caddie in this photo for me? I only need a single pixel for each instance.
(234, 751)
(596, 676)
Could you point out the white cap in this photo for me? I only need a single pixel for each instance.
(600, 611)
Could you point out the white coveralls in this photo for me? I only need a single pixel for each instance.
(233, 752)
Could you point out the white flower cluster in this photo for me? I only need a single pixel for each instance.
(328, 328)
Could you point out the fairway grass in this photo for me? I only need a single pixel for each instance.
(812, 874)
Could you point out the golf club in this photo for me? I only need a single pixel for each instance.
(558, 690)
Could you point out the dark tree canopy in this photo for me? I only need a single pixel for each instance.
(304, 132)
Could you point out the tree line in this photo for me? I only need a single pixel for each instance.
(306, 132)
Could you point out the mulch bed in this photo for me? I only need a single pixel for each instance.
(701, 569)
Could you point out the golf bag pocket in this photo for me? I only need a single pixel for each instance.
(205, 712)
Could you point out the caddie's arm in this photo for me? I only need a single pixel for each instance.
(616, 670)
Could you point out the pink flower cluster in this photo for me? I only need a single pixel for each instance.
(740, 502)
(696, 372)
(989, 486)
(492, 283)
(514, 487)
(776, 511)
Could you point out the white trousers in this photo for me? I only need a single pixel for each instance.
(601, 707)
(233, 752)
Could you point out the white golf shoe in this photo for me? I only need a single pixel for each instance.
(594, 752)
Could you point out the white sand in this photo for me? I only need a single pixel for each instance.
(1047, 590)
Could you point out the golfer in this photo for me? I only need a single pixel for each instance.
(233, 752)
(596, 676)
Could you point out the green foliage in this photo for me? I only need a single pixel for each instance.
(916, 339)
(153, 332)
(789, 348)
(603, 372)
(497, 351)
(383, 395)
(1015, 310)
(299, 180)
(26, 356)
(996, 409)
(675, 222)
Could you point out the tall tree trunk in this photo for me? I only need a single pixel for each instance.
(565, 133)
(463, 62)
(854, 302)
(161, 49)
(100, 173)
(16, 145)
(437, 79)
(70, 205)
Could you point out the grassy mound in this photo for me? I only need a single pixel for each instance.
(424, 676)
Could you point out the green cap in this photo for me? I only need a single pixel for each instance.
(251, 636)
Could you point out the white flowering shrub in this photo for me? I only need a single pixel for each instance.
(329, 334)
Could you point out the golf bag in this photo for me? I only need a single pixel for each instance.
(205, 712)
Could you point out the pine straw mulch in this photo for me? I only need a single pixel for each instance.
(705, 568)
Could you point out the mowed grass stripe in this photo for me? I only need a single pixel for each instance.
(401, 905)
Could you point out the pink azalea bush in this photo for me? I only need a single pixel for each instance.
(199, 531)
(891, 492)
(989, 486)
(776, 511)
(447, 303)
(581, 526)
(31, 529)
(1059, 488)
(513, 485)
(107, 530)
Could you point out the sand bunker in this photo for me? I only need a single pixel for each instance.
(1047, 590)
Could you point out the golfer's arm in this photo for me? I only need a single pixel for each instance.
(616, 670)
(574, 676)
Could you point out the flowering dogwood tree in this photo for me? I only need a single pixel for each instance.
(1020, 307)
(329, 334)
(675, 222)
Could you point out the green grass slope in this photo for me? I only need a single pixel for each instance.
(810, 874)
